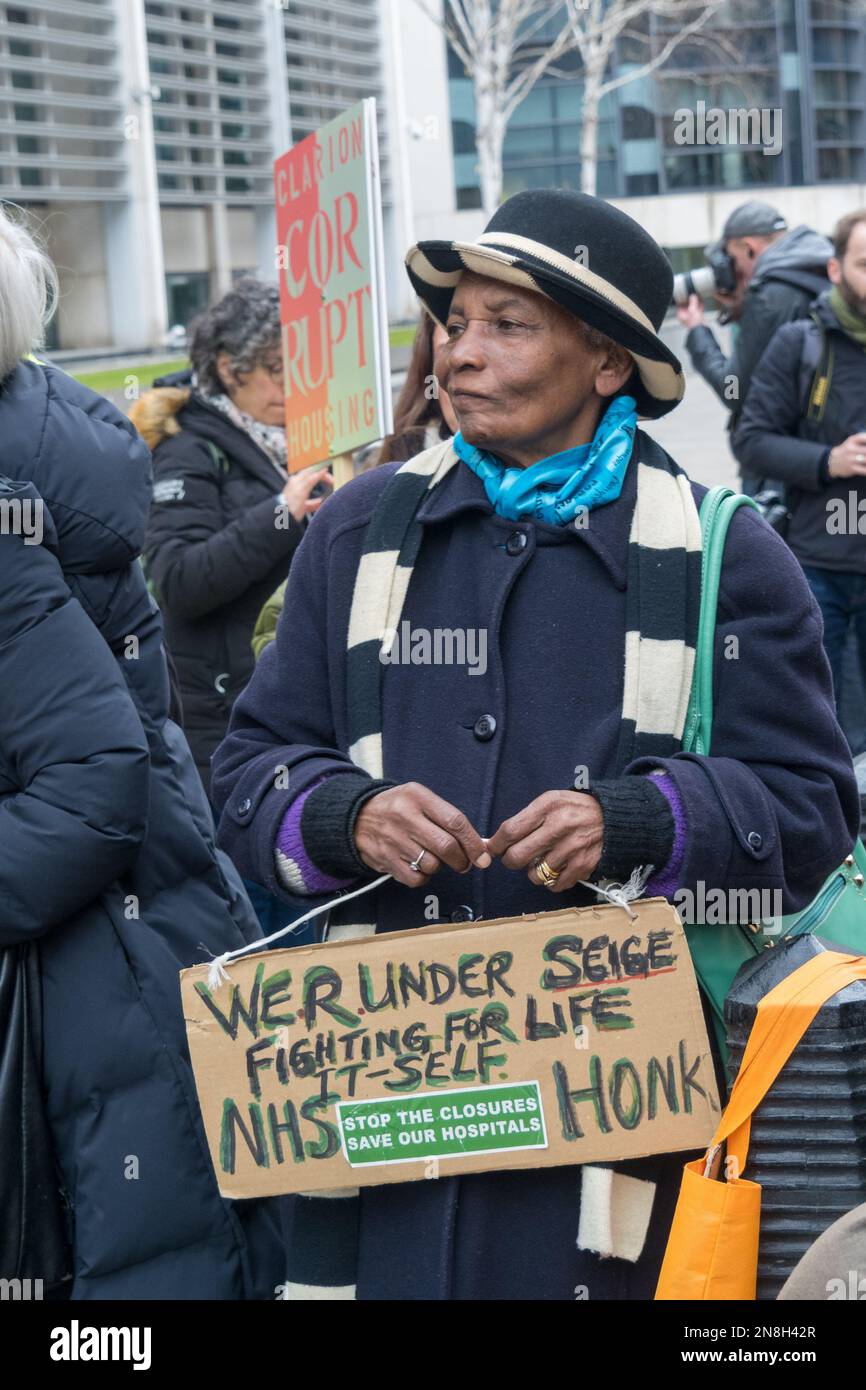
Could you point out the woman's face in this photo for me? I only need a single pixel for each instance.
(522, 380)
(259, 393)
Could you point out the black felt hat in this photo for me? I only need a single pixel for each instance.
(587, 256)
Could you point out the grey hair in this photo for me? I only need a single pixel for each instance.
(245, 324)
(28, 291)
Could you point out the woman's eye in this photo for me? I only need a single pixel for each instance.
(453, 329)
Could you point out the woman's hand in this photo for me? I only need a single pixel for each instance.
(296, 493)
(394, 826)
(565, 829)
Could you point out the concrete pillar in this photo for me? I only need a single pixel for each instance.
(399, 219)
(220, 250)
(281, 129)
(415, 65)
(133, 236)
(266, 242)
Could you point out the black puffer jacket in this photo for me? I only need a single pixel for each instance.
(217, 547)
(107, 861)
(776, 438)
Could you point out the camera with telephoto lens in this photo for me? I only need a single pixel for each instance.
(717, 274)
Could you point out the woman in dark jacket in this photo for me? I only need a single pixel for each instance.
(562, 546)
(107, 857)
(226, 518)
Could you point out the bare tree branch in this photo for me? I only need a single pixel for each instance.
(460, 40)
(494, 43)
(526, 80)
(596, 26)
(663, 54)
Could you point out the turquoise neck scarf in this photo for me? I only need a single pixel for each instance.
(557, 488)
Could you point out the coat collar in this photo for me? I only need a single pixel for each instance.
(607, 532)
(201, 418)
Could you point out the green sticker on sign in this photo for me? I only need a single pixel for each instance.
(443, 1124)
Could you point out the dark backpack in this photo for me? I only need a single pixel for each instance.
(774, 501)
(816, 369)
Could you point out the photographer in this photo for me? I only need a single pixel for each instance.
(217, 544)
(776, 274)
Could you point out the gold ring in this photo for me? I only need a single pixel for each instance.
(547, 875)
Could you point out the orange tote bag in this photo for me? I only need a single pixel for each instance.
(712, 1250)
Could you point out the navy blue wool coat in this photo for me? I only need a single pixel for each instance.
(775, 807)
(107, 859)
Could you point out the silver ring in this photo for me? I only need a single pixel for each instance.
(859, 458)
(416, 863)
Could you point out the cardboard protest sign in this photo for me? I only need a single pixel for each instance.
(332, 290)
(560, 1037)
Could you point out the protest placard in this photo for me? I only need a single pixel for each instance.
(561, 1037)
(332, 290)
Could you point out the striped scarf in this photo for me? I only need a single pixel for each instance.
(662, 607)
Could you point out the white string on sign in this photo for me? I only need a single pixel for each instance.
(217, 974)
(622, 894)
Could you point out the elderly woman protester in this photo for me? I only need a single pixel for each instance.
(226, 517)
(568, 537)
(109, 877)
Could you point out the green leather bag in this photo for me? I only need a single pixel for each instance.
(838, 913)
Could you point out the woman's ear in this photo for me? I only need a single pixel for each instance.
(224, 371)
(615, 370)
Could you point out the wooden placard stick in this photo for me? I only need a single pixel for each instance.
(343, 469)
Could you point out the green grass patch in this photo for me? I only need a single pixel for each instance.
(403, 337)
(115, 378)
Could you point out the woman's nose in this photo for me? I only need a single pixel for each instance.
(468, 349)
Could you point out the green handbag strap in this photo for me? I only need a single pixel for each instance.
(717, 512)
(718, 952)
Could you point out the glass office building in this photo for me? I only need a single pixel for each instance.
(805, 58)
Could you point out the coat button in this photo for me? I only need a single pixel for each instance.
(244, 807)
(755, 840)
(463, 913)
(484, 728)
(516, 542)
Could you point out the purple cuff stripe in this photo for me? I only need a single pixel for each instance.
(666, 882)
(295, 869)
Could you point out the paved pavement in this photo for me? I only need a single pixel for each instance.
(694, 432)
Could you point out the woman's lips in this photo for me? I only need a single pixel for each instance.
(458, 396)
